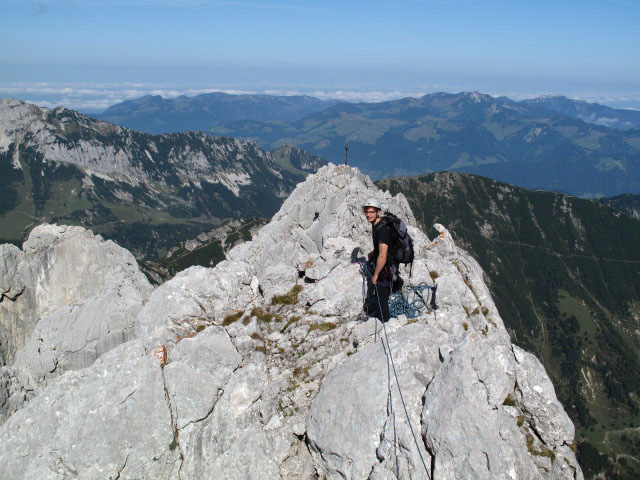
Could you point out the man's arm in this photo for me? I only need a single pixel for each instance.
(383, 248)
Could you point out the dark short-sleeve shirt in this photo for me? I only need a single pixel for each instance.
(381, 233)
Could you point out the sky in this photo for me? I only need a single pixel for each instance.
(89, 54)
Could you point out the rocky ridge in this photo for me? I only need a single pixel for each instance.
(260, 368)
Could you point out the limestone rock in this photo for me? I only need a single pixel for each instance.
(11, 281)
(221, 383)
(351, 421)
(107, 420)
(69, 297)
(79, 296)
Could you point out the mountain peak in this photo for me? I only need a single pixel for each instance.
(261, 368)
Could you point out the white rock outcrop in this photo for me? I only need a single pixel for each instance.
(262, 368)
(67, 298)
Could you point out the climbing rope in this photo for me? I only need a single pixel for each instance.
(387, 352)
(418, 299)
(417, 303)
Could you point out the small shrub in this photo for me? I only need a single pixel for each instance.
(246, 320)
(476, 311)
(520, 420)
(412, 320)
(465, 325)
(261, 348)
(509, 401)
(543, 452)
(485, 310)
(200, 328)
(256, 336)
(174, 443)
(433, 274)
(299, 371)
(290, 298)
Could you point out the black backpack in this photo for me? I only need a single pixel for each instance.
(402, 248)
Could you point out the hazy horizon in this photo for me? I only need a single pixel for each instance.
(88, 55)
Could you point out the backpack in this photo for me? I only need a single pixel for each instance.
(402, 248)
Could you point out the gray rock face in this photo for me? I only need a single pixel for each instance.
(223, 381)
(68, 298)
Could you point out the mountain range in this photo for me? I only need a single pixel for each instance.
(549, 143)
(154, 114)
(523, 144)
(148, 192)
(627, 203)
(565, 275)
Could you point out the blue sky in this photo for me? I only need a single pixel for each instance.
(89, 53)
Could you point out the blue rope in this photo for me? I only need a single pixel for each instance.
(414, 304)
(411, 306)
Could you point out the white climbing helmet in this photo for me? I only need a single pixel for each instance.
(372, 202)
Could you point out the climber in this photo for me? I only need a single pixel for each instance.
(380, 265)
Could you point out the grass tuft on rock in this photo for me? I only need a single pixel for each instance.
(263, 316)
(229, 319)
(323, 327)
(543, 452)
(289, 298)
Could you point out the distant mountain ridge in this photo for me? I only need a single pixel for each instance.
(520, 143)
(148, 192)
(548, 143)
(154, 114)
(627, 203)
(619, 118)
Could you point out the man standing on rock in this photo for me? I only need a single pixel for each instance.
(377, 303)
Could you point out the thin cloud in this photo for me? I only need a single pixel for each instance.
(95, 97)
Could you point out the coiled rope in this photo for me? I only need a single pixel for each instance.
(418, 299)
